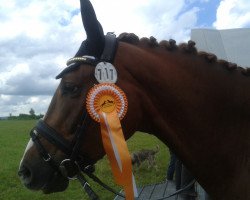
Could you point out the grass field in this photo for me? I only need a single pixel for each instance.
(14, 136)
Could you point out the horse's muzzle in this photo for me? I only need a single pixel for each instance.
(42, 178)
(25, 176)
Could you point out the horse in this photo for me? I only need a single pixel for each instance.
(198, 105)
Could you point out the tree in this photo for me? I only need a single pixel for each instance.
(32, 112)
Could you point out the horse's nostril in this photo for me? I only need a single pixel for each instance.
(24, 172)
(25, 175)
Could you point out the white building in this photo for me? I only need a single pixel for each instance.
(232, 45)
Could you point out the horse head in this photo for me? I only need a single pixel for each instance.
(66, 130)
(197, 105)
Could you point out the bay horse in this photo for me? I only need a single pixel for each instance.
(197, 105)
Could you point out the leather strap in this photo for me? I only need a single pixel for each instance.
(53, 137)
(109, 48)
(41, 150)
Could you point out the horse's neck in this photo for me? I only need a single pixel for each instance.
(196, 109)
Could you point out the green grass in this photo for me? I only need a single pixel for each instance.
(14, 136)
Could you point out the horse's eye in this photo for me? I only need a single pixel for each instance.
(69, 88)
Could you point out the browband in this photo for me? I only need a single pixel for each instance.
(107, 56)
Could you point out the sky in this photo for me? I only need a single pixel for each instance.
(37, 37)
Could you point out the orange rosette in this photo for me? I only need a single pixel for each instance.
(106, 97)
(107, 104)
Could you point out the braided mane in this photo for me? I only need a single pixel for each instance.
(182, 47)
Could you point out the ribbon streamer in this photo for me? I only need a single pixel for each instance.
(117, 152)
(107, 104)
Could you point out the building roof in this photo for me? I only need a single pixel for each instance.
(232, 45)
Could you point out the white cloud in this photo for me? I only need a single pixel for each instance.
(23, 104)
(145, 18)
(233, 14)
(35, 44)
(38, 36)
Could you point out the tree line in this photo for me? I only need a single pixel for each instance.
(31, 115)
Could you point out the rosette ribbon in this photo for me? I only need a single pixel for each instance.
(107, 104)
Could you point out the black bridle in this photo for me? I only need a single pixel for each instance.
(70, 149)
(75, 163)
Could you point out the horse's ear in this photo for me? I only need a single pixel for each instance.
(95, 38)
(92, 27)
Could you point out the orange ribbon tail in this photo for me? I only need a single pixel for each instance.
(117, 151)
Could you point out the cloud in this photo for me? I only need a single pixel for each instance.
(38, 36)
(158, 18)
(23, 104)
(35, 45)
(233, 14)
(171, 18)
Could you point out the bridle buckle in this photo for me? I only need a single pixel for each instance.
(69, 169)
(48, 158)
